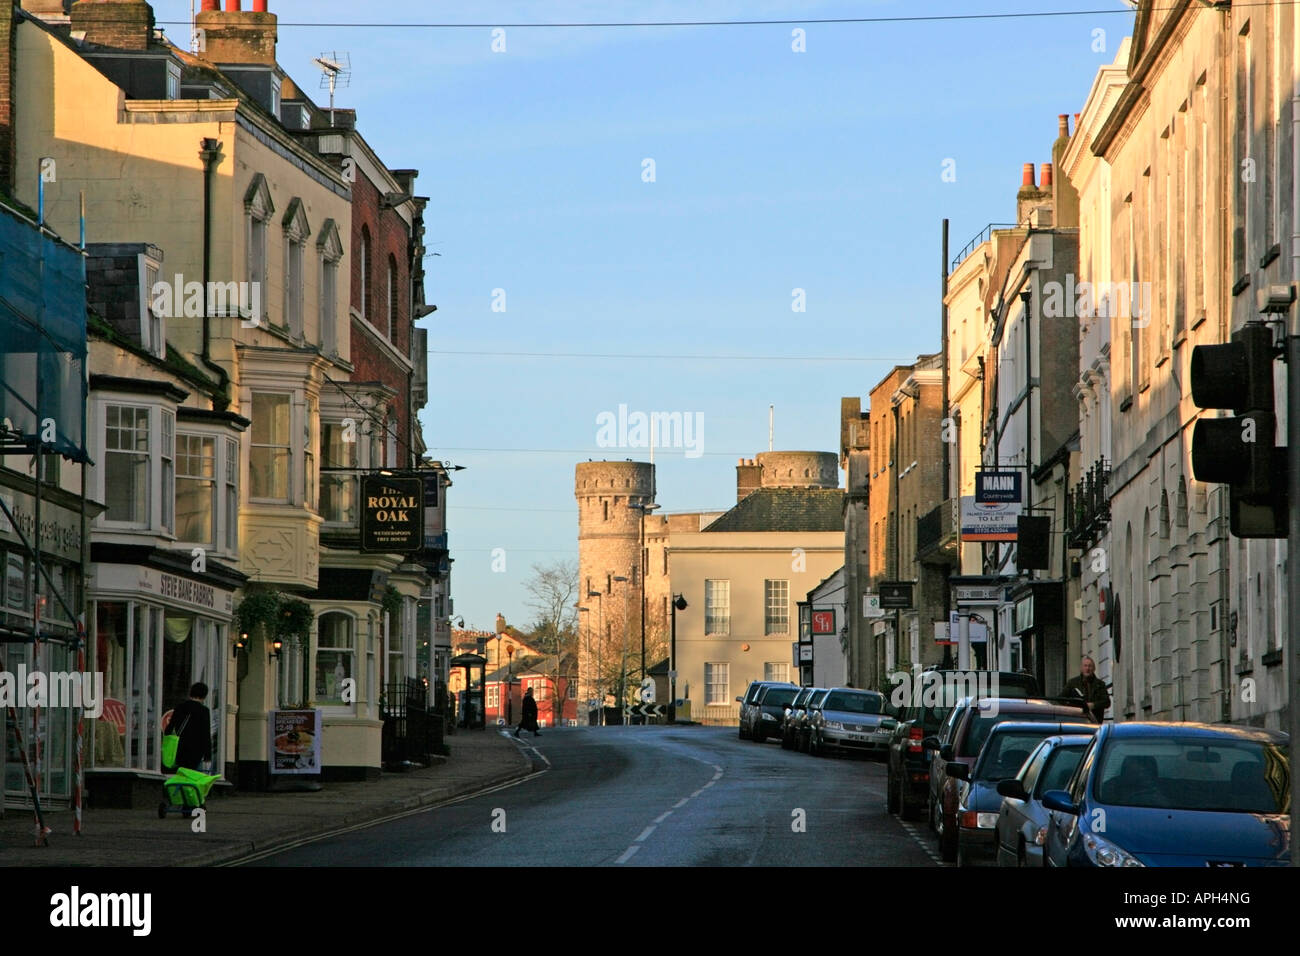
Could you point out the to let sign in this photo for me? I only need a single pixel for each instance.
(392, 514)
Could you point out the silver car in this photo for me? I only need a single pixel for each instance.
(848, 719)
(1022, 819)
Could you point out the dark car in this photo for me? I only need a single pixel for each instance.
(803, 726)
(769, 710)
(1022, 818)
(960, 741)
(847, 719)
(749, 706)
(1004, 754)
(1148, 794)
(793, 713)
(922, 707)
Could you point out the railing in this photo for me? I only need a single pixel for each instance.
(1087, 505)
(411, 730)
(935, 527)
(971, 246)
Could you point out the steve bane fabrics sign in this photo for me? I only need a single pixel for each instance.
(392, 514)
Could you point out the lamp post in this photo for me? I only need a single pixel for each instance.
(585, 610)
(679, 604)
(644, 561)
(600, 651)
(622, 680)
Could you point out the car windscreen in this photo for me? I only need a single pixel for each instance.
(852, 703)
(1006, 753)
(778, 696)
(1195, 773)
(981, 723)
(1060, 767)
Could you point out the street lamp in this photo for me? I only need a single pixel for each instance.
(600, 651)
(679, 604)
(644, 560)
(622, 680)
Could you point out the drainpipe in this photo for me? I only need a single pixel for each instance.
(210, 153)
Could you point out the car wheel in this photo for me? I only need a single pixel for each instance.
(813, 749)
(892, 804)
(1020, 853)
(162, 811)
(759, 735)
(742, 730)
(906, 810)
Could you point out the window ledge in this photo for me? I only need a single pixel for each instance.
(1272, 658)
(1126, 404)
(1164, 358)
(1200, 320)
(1241, 285)
(1247, 666)
(1273, 253)
(1179, 339)
(1145, 386)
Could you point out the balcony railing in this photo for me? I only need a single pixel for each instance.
(1087, 506)
(936, 531)
(971, 246)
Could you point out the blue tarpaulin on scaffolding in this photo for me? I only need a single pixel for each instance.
(42, 337)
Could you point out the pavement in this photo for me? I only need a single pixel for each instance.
(240, 824)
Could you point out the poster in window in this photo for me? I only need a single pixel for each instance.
(295, 741)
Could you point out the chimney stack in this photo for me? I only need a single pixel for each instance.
(116, 24)
(1065, 198)
(1030, 195)
(237, 36)
(748, 477)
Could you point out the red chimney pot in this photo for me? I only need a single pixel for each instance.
(1027, 175)
(232, 5)
(259, 6)
(211, 5)
(1047, 175)
(1063, 124)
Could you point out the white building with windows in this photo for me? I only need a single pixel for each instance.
(742, 576)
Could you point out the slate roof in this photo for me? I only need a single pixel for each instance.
(785, 509)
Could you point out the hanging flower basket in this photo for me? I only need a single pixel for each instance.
(294, 618)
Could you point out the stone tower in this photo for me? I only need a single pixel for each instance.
(609, 546)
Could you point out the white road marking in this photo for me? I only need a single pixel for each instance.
(923, 839)
(644, 833)
(680, 803)
(628, 854)
(663, 816)
(696, 793)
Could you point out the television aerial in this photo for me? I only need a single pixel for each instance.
(336, 69)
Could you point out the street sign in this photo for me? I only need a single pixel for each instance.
(871, 606)
(896, 595)
(644, 710)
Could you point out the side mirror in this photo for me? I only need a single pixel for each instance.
(945, 752)
(1012, 788)
(740, 700)
(930, 743)
(1060, 801)
(959, 770)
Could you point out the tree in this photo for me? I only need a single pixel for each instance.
(553, 590)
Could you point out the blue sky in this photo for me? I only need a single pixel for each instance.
(773, 170)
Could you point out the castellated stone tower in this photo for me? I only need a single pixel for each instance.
(609, 546)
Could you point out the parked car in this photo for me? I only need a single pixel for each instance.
(793, 713)
(1022, 818)
(749, 706)
(770, 710)
(1167, 794)
(960, 740)
(1004, 755)
(803, 729)
(848, 719)
(922, 708)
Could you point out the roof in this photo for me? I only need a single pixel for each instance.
(785, 509)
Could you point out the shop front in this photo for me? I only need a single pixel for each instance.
(45, 733)
(156, 628)
(1036, 619)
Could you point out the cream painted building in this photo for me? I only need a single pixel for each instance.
(742, 576)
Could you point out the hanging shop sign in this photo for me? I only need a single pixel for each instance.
(997, 487)
(823, 621)
(392, 514)
(988, 522)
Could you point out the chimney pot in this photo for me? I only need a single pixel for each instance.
(232, 5)
(1027, 175)
(1063, 124)
(1047, 175)
(211, 5)
(259, 6)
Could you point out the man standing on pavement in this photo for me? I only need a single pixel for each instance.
(529, 721)
(1089, 686)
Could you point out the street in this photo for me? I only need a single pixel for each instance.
(648, 796)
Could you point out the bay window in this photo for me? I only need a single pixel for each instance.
(269, 459)
(338, 489)
(126, 464)
(335, 660)
(196, 489)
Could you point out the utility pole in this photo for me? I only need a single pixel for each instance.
(1293, 543)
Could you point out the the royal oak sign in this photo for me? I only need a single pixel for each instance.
(392, 514)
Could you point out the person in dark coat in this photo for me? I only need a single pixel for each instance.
(192, 721)
(529, 721)
(1090, 687)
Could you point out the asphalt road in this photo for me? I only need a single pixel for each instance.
(649, 796)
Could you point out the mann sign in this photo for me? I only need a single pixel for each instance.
(997, 488)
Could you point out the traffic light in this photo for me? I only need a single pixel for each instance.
(1240, 451)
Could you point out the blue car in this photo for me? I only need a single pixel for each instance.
(1022, 818)
(1148, 794)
